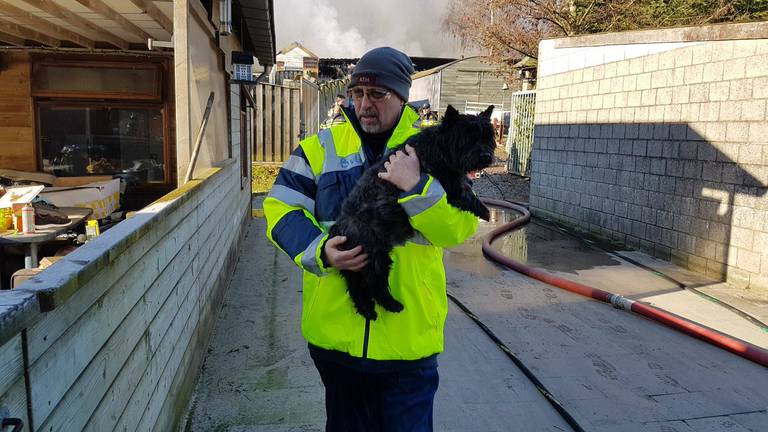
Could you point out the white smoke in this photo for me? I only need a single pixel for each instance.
(348, 28)
(315, 24)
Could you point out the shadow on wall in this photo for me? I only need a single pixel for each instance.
(659, 187)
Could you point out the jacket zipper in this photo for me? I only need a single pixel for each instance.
(365, 339)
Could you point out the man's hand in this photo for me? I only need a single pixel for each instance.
(402, 169)
(352, 260)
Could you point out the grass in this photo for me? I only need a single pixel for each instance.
(263, 177)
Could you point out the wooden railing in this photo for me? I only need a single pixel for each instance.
(111, 337)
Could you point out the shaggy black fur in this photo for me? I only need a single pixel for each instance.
(371, 217)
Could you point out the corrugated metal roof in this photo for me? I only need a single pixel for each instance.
(437, 69)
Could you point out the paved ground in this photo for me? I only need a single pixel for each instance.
(544, 246)
(613, 371)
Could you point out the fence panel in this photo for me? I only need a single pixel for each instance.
(269, 114)
(310, 110)
(328, 92)
(258, 124)
(286, 114)
(520, 137)
(276, 122)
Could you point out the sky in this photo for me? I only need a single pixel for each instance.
(349, 28)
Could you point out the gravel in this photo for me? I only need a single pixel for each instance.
(496, 183)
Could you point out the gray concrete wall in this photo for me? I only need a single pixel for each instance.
(659, 140)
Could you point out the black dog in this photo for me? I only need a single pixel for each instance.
(371, 217)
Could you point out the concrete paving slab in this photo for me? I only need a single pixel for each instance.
(258, 375)
(544, 246)
(605, 365)
(612, 370)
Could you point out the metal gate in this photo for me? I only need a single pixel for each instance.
(520, 137)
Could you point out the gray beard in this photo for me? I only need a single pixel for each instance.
(372, 129)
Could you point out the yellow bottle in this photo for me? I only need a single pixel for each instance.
(92, 229)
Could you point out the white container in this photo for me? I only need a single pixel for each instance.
(28, 219)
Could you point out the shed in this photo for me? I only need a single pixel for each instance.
(297, 58)
(467, 84)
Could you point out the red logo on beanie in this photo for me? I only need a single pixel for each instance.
(366, 79)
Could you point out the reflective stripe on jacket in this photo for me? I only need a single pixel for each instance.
(305, 201)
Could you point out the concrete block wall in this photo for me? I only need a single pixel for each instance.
(660, 145)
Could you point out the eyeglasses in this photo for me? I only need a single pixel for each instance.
(374, 94)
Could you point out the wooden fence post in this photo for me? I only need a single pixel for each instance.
(258, 151)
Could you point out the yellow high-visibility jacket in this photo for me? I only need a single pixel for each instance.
(303, 204)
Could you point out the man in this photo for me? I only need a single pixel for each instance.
(428, 118)
(335, 116)
(341, 100)
(339, 103)
(378, 375)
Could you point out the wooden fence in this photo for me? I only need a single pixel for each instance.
(328, 92)
(277, 122)
(310, 109)
(286, 114)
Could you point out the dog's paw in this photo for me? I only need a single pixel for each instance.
(392, 305)
(484, 213)
(368, 312)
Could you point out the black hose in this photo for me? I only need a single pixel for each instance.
(538, 384)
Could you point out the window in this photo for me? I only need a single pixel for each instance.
(104, 116)
(108, 139)
(94, 80)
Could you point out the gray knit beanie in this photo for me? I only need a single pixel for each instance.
(384, 67)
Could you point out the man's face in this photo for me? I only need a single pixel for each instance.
(339, 101)
(377, 109)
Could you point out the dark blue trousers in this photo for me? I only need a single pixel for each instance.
(396, 401)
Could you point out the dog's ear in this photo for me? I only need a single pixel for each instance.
(487, 112)
(450, 115)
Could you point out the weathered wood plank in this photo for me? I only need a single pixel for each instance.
(277, 125)
(14, 402)
(31, 21)
(124, 386)
(13, 391)
(84, 395)
(70, 274)
(53, 324)
(161, 415)
(11, 363)
(18, 310)
(295, 119)
(258, 151)
(53, 373)
(78, 22)
(101, 8)
(286, 141)
(105, 417)
(269, 115)
(153, 385)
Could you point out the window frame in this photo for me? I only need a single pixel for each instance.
(60, 103)
(156, 96)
